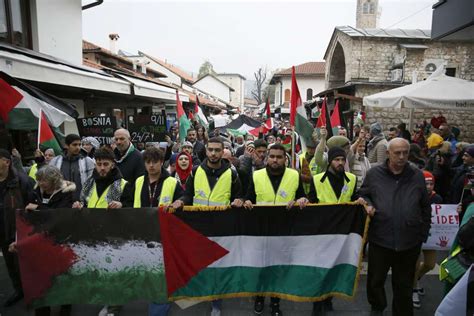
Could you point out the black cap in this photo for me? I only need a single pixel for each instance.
(5, 154)
(335, 152)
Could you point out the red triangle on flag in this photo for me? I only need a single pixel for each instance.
(9, 98)
(44, 133)
(335, 117)
(186, 252)
(322, 117)
(41, 260)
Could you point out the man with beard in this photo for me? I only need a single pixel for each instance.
(333, 186)
(213, 183)
(198, 148)
(106, 188)
(275, 184)
(73, 165)
(129, 160)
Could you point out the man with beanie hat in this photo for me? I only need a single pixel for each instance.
(334, 186)
(377, 146)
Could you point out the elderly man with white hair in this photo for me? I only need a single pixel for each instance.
(397, 200)
(129, 160)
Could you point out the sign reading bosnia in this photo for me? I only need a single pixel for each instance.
(96, 256)
(444, 227)
(147, 128)
(100, 127)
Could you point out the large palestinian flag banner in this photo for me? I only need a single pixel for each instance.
(90, 256)
(111, 257)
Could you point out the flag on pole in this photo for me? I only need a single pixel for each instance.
(46, 136)
(268, 113)
(20, 104)
(183, 121)
(324, 120)
(200, 114)
(298, 118)
(336, 119)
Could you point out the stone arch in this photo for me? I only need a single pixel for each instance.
(337, 69)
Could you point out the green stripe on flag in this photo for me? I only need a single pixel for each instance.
(303, 127)
(98, 287)
(301, 282)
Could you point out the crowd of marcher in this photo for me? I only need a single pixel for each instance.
(396, 175)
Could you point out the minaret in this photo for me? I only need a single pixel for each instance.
(367, 14)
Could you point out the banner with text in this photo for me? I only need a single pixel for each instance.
(100, 127)
(444, 227)
(147, 128)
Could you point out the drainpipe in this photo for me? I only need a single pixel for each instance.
(93, 4)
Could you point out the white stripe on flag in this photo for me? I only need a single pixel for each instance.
(324, 251)
(112, 258)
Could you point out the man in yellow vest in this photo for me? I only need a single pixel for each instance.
(273, 185)
(334, 186)
(155, 188)
(213, 183)
(106, 188)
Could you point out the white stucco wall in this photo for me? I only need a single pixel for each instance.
(57, 28)
(214, 87)
(304, 83)
(238, 84)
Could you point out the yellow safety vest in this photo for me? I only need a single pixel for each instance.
(166, 195)
(220, 194)
(326, 193)
(443, 271)
(313, 167)
(265, 194)
(33, 171)
(100, 202)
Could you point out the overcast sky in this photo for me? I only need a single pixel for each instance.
(237, 36)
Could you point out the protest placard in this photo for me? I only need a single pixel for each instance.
(100, 127)
(147, 128)
(444, 226)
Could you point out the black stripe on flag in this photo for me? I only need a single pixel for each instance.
(96, 225)
(278, 221)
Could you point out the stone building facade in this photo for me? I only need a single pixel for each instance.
(361, 62)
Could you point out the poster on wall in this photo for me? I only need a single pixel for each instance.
(147, 127)
(100, 127)
(444, 227)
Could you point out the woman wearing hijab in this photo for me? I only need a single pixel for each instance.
(184, 167)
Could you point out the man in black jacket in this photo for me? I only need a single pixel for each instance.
(198, 148)
(129, 160)
(16, 190)
(398, 202)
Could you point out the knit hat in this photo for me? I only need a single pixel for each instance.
(428, 176)
(375, 129)
(5, 154)
(187, 144)
(470, 150)
(91, 140)
(434, 141)
(338, 141)
(336, 152)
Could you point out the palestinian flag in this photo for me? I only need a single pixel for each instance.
(324, 120)
(21, 103)
(336, 119)
(183, 121)
(243, 123)
(200, 114)
(300, 255)
(46, 136)
(298, 117)
(90, 256)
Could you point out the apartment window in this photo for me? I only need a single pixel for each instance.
(309, 94)
(15, 22)
(368, 8)
(287, 95)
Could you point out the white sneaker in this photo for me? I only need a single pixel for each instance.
(215, 312)
(416, 299)
(419, 289)
(104, 311)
